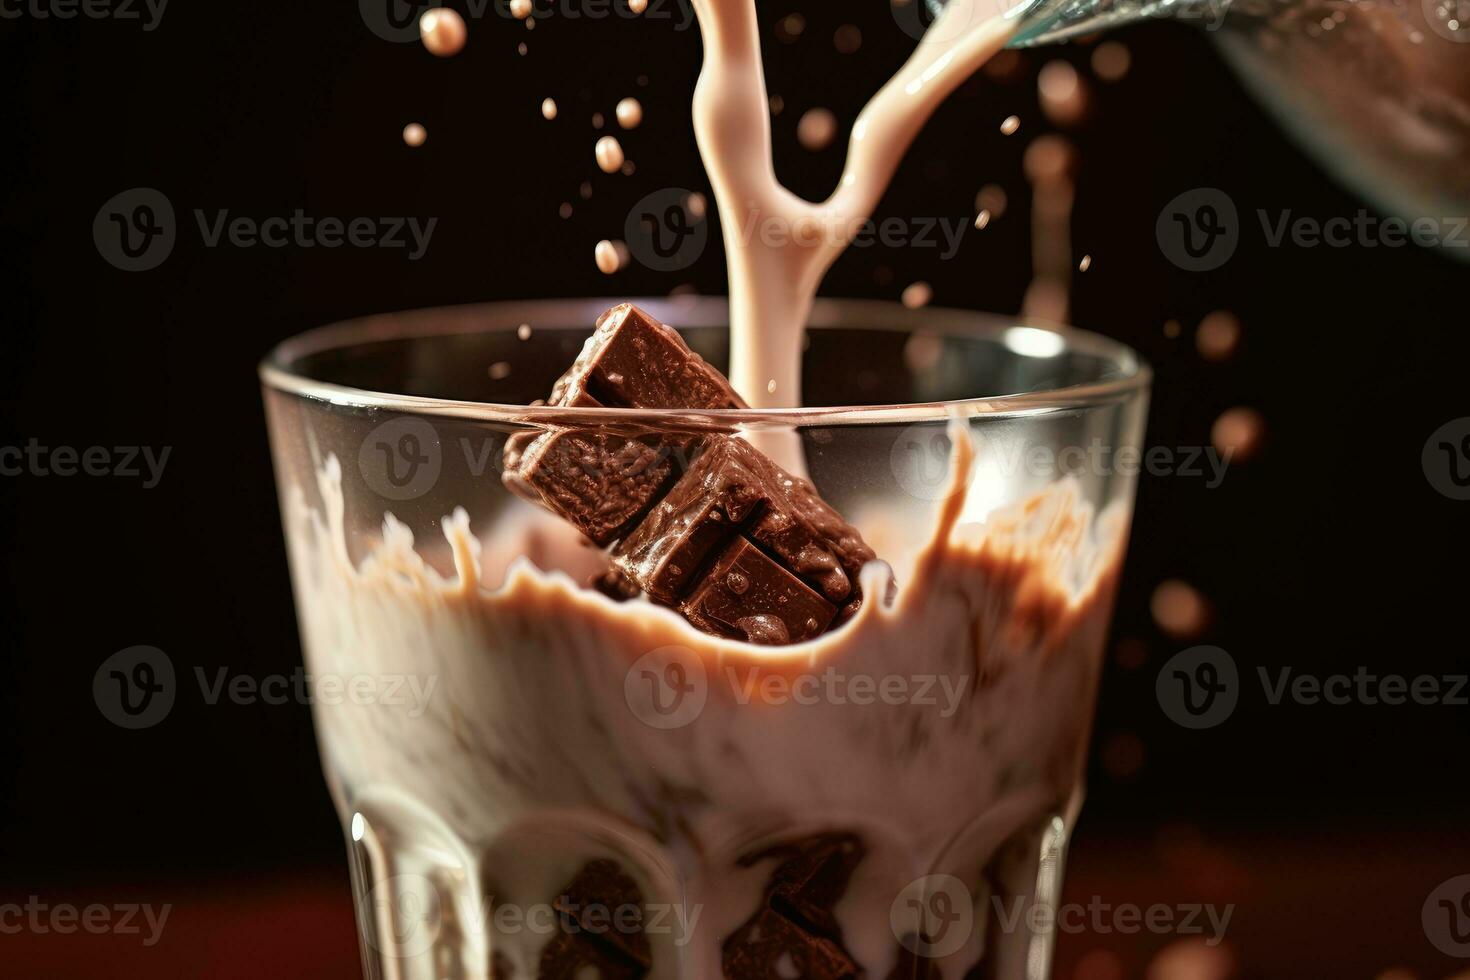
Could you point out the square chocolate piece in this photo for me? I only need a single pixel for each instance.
(602, 481)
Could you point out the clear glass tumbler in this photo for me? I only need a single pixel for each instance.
(541, 778)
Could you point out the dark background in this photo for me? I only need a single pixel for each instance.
(1329, 551)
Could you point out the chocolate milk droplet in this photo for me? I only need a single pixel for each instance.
(737, 583)
(1111, 60)
(630, 113)
(816, 129)
(443, 32)
(606, 255)
(609, 153)
(414, 134)
(548, 109)
(917, 295)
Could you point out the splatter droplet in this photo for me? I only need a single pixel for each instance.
(414, 134)
(630, 113)
(548, 109)
(443, 32)
(607, 257)
(1010, 124)
(917, 295)
(1111, 60)
(790, 27)
(1179, 609)
(816, 129)
(847, 39)
(609, 153)
(1240, 432)
(1218, 336)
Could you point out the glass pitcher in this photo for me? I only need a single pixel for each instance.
(1377, 90)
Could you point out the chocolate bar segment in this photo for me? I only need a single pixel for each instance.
(733, 489)
(600, 481)
(633, 361)
(604, 903)
(704, 510)
(741, 547)
(600, 919)
(748, 596)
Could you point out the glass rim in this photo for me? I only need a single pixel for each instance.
(277, 369)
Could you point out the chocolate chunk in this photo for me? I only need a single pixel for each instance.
(795, 933)
(771, 947)
(605, 905)
(732, 488)
(747, 596)
(601, 481)
(807, 888)
(633, 361)
(741, 547)
(703, 511)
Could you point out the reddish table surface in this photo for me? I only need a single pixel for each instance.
(1338, 907)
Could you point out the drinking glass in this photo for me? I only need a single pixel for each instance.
(539, 779)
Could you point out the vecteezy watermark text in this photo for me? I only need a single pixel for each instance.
(136, 688)
(398, 20)
(136, 230)
(1200, 229)
(122, 462)
(1201, 687)
(149, 12)
(126, 919)
(413, 908)
(669, 688)
(408, 691)
(935, 916)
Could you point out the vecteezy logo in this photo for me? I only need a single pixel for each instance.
(1199, 687)
(920, 459)
(135, 230)
(667, 688)
(933, 916)
(1446, 459)
(1450, 19)
(134, 688)
(401, 458)
(1446, 917)
(393, 20)
(407, 915)
(1198, 230)
(661, 232)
